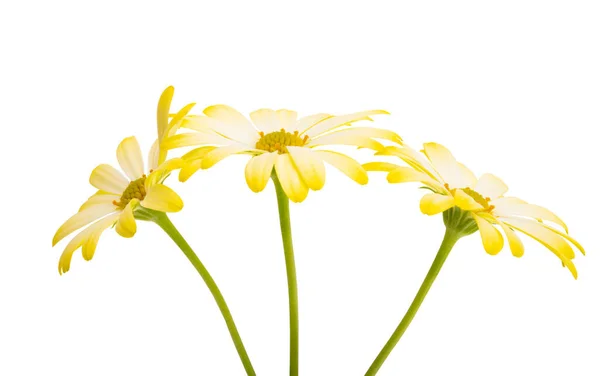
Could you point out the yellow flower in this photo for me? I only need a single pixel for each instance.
(278, 139)
(116, 201)
(455, 186)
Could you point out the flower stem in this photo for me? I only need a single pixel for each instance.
(450, 238)
(163, 221)
(290, 267)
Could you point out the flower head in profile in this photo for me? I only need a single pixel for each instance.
(278, 140)
(470, 203)
(116, 201)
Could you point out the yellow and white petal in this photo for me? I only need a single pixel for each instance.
(334, 122)
(550, 240)
(446, 165)
(308, 121)
(291, 182)
(215, 156)
(309, 165)
(194, 139)
(109, 179)
(380, 166)
(515, 243)
(566, 236)
(231, 132)
(189, 168)
(528, 210)
(258, 170)
(345, 164)
(346, 138)
(506, 201)
(81, 219)
(88, 238)
(162, 111)
(466, 202)
(177, 120)
(231, 124)
(414, 159)
(267, 120)
(383, 134)
(129, 155)
(155, 155)
(434, 203)
(99, 198)
(490, 186)
(492, 239)
(160, 174)
(126, 226)
(468, 174)
(162, 198)
(197, 153)
(403, 174)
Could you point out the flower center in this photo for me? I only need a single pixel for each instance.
(279, 141)
(483, 201)
(135, 189)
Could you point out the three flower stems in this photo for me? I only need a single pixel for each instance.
(165, 223)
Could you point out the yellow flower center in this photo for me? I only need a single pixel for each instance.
(483, 201)
(135, 189)
(279, 141)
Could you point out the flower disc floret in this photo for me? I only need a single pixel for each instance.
(136, 189)
(280, 140)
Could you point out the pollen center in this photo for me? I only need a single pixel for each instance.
(483, 201)
(279, 141)
(135, 189)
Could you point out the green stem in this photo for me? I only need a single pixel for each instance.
(163, 221)
(450, 238)
(290, 266)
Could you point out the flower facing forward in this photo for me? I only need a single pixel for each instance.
(455, 186)
(116, 200)
(279, 140)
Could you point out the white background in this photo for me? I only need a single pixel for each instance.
(511, 87)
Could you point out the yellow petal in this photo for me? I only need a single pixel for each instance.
(162, 111)
(194, 139)
(345, 164)
(515, 243)
(291, 182)
(383, 134)
(81, 219)
(346, 138)
(160, 174)
(456, 175)
(231, 124)
(434, 203)
(197, 153)
(490, 186)
(189, 168)
(407, 175)
(550, 240)
(107, 178)
(154, 155)
(309, 165)
(414, 159)
(176, 121)
(162, 198)
(466, 202)
(492, 239)
(99, 198)
(215, 156)
(126, 226)
(308, 121)
(566, 236)
(267, 120)
(528, 210)
(334, 122)
(258, 171)
(245, 134)
(130, 158)
(380, 166)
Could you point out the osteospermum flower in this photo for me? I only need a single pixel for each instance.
(279, 140)
(454, 185)
(116, 200)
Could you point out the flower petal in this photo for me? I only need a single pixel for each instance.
(466, 202)
(154, 155)
(515, 243)
(403, 174)
(434, 203)
(308, 121)
(160, 174)
(177, 120)
(267, 120)
(550, 240)
(215, 156)
(162, 111)
(291, 182)
(345, 164)
(367, 132)
(107, 178)
(129, 155)
(566, 236)
(99, 198)
(197, 153)
(162, 198)
(446, 165)
(231, 124)
(380, 166)
(126, 226)
(81, 219)
(258, 170)
(528, 210)
(194, 139)
(309, 165)
(413, 158)
(189, 168)
(490, 186)
(346, 138)
(333, 122)
(492, 239)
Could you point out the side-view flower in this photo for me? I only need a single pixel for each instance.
(468, 204)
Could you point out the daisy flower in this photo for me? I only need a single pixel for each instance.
(278, 140)
(116, 200)
(468, 204)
